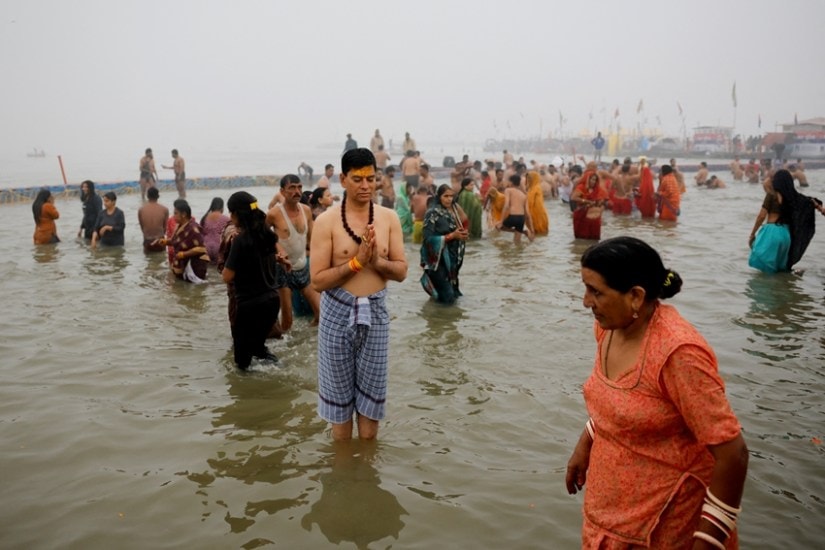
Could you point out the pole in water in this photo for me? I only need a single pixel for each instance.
(62, 171)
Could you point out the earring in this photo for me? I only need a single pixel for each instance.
(635, 314)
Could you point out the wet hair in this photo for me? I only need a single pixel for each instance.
(152, 193)
(85, 196)
(390, 170)
(316, 195)
(515, 179)
(666, 169)
(625, 169)
(174, 152)
(328, 166)
(626, 262)
(182, 206)
(215, 206)
(288, 179)
(148, 150)
(305, 196)
(357, 158)
(111, 196)
(252, 222)
(37, 206)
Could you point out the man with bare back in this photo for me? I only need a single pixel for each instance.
(355, 249)
(515, 215)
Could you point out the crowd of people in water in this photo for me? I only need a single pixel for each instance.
(332, 257)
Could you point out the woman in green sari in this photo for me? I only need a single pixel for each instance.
(471, 204)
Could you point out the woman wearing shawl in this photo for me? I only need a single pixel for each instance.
(402, 208)
(212, 226)
(783, 239)
(469, 202)
(590, 198)
(44, 211)
(92, 205)
(190, 260)
(535, 204)
(646, 196)
(669, 197)
(442, 252)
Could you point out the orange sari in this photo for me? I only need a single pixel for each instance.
(535, 204)
(669, 198)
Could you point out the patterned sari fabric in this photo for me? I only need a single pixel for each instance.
(535, 204)
(212, 230)
(669, 199)
(440, 259)
(188, 237)
(649, 462)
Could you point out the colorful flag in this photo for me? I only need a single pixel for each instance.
(640, 106)
(733, 93)
(795, 120)
(680, 108)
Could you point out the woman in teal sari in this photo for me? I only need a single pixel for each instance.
(442, 252)
(471, 204)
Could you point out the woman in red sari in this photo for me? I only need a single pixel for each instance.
(590, 197)
(646, 195)
(662, 455)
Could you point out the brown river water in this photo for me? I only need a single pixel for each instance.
(124, 423)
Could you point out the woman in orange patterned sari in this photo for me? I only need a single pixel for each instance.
(668, 196)
(662, 454)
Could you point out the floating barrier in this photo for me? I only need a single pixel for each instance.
(27, 194)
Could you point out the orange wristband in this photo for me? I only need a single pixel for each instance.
(354, 265)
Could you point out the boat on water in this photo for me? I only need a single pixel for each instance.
(36, 153)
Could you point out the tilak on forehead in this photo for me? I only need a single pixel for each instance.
(364, 172)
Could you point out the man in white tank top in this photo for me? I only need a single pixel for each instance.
(292, 221)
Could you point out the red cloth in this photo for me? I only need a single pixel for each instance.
(622, 206)
(584, 227)
(646, 201)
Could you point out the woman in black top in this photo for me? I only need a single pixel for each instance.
(251, 267)
(92, 205)
(110, 223)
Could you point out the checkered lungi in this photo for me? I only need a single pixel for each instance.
(353, 342)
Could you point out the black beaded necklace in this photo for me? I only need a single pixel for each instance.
(348, 229)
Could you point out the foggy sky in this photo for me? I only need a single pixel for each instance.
(95, 75)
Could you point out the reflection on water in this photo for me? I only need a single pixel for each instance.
(353, 507)
(780, 315)
(46, 253)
